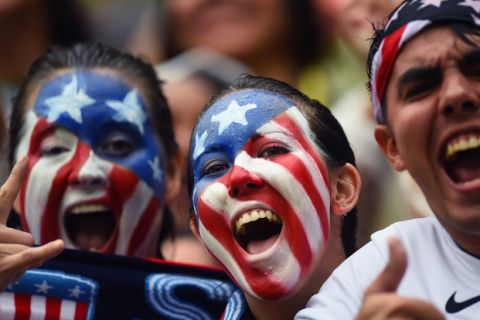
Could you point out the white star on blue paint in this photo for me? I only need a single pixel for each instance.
(233, 113)
(157, 173)
(71, 101)
(75, 292)
(435, 3)
(129, 110)
(43, 287)
(475, 5)
(199, 144)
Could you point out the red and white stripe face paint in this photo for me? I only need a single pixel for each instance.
(88, 187)
(262, 201)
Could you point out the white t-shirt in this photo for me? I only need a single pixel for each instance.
(438, 271)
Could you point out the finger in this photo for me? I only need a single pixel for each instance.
(34, 257)
(9, 249)
(10, 235)
(9, 190)
(391, 276)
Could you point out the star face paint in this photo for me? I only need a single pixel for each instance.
(95, 175)
(261, 194)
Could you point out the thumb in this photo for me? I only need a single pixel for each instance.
(391, 276)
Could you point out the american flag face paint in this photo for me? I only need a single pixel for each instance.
(95, 175)
(261, 195)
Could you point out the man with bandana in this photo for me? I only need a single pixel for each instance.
(424, 70)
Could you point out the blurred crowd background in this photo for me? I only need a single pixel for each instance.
(199, 46)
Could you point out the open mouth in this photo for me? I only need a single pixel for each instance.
(462, 158)
(257, 230)
(90, 226)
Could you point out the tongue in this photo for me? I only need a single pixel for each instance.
(90, 241)
(90, 231)
(466, 169)
(255, 247)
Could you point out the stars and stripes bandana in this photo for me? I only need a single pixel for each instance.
(92, 151)
(254, 159)
(410, 18)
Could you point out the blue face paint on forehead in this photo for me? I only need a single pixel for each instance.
(93, 106)
(231, 121)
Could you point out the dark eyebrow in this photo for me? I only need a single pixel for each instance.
(418, 73)
(470, 58)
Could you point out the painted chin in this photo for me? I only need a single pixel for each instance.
(257, 231)
(90, 226)
(460, 160)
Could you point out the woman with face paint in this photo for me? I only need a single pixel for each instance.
(274, 189)
(97, 132)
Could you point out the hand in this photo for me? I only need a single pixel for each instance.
(382, 302)
(16, 252)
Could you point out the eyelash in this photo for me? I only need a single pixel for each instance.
(217, 166)
(54, 150)
(214, 166)
(272, 150)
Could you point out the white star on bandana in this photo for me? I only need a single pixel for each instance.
(436, 3)
(476, 19)
(475, 5)
(71, 101)
(129, 110)
(234, 113)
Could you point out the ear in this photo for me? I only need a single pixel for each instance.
(174, 179)
(194, 228)
(388, 145)
(345, 189)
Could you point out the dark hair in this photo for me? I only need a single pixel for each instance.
(328, 135)
(461, 29)
(97, 55)
(306, 38)
(3, 131)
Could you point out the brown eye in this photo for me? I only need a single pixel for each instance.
(117, 148)
(272, 150)
(117, 145)
(215, 166)
(419, 89)
(53, 151)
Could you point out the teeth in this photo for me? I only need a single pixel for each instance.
(254, 215)
(88, 208)
(462, 144)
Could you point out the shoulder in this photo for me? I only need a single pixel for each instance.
(413, 233)
(341, 295)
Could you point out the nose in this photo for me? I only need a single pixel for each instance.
(91, 174)
(243, 182)
(459, 96)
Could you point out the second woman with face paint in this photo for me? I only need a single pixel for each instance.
(274, 189)
(101, 152)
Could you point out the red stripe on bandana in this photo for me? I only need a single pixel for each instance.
(390, 49)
